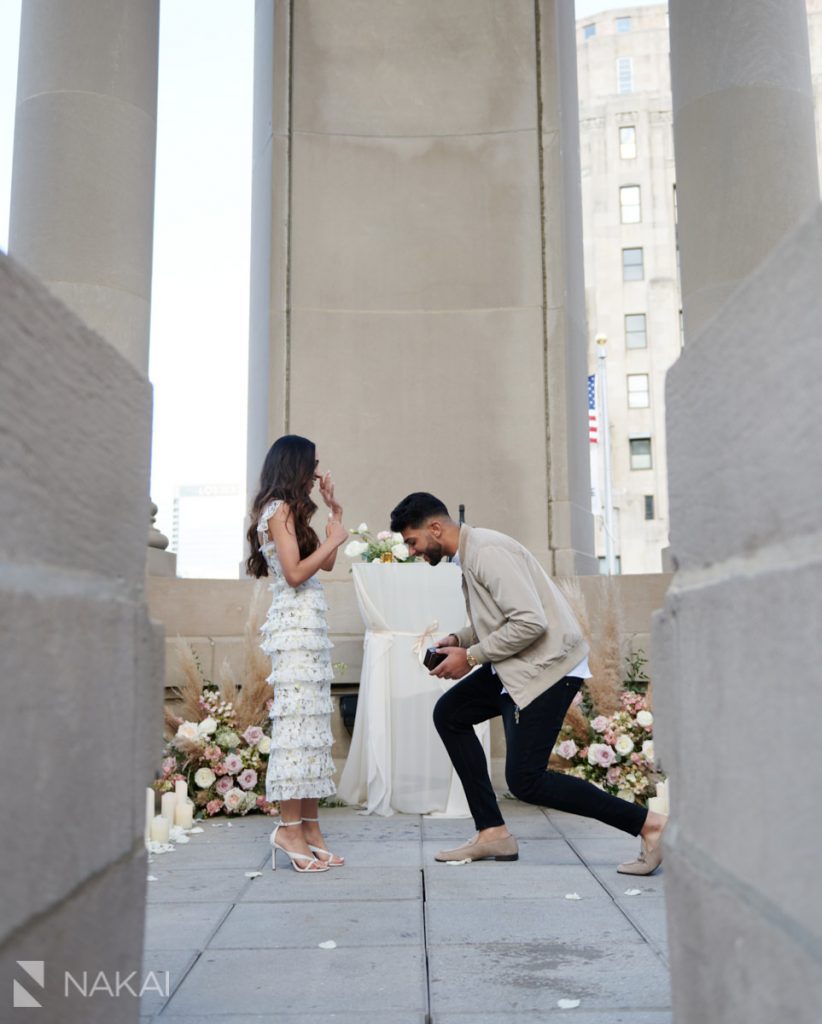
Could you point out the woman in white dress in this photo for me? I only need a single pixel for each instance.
(295, 635)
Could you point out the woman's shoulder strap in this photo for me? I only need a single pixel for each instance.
(266, 514)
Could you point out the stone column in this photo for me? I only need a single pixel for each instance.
(82, 198)
(737, 642)
(744, 138)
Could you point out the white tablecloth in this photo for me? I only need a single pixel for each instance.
(397, 761)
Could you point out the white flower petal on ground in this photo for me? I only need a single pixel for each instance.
(572, 896)
(151, 878)
(196, 829)
(458, 862)
(330, 944)
(633, 892)
(568, 1004)
(253, 874)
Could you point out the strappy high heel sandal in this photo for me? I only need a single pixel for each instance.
(333, 860)
(314, 865)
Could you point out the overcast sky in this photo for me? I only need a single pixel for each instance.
(199, 329)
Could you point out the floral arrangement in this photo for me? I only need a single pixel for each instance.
(615, 752)
(215, 733)
(385, 547)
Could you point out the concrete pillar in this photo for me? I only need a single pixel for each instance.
(744, 138)
(82, 197)
(417, 302)
(735, 646)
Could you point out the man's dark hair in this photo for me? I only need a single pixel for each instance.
(414, 510)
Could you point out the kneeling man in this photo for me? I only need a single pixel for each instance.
(530, 659)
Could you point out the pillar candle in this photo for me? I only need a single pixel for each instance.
(167, 805)
(184, 814)
(149, 811)
(181, 789)
(159, 829)
(656, 804)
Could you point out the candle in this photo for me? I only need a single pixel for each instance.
(662, 793)
(184, 814)
(149, 811)
(181, 789)
(657, 804)
(159, 829)
(167, 805)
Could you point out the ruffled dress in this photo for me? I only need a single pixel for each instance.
(295, 637)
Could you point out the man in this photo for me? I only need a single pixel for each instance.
(527, 659)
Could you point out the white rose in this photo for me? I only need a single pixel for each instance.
(207, 726)
(644, 718)
(204, 777)
(234, 799)
(188, 731)
(398, 538)
(362, 528)
(624, 745)
(264, 746)
(355, 548)
(400, 552)
(648, 749)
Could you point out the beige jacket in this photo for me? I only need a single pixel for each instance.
(520, 621)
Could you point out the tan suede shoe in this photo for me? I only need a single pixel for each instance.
(646, 863)
(496, 849)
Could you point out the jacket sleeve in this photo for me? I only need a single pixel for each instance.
(505, 577)
(466, 636)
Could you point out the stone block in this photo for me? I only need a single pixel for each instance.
(86, 418)
(456, 222)
(362, 67)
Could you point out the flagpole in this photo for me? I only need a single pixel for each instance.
(602, 381)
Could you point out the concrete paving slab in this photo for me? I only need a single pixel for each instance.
(360, 1017)
(384, 853)
(514, 880)
(346, 883)
(523, 826)
(182, 926)
(548, 1016)
(248, 855)
(177, 962)
(607, 851)
(576, 921)
(649, 918)
(306, 925)
(650, 886)
(575, 826)
(534, 976)
(197, 885)
(369, 826)
(326, 981)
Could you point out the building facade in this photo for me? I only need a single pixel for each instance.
(631, 258)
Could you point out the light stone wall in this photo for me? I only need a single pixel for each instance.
(211, 616)
(738, 640)
(416, 302)
(80, 661)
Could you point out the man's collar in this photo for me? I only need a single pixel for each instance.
(465, 529)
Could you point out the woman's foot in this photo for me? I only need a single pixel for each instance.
(316, 843)
(289, 838)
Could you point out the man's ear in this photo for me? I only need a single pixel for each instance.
(435, 527)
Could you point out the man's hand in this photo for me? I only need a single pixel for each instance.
(455, 665)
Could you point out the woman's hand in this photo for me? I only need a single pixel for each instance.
(336, 532)
(327, 492)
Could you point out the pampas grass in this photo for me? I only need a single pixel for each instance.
(605, 656)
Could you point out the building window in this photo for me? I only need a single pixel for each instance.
(640, 452)
(649, 506)
(603, 565)
(627, 142)
(625, 75)
(630, 208)
(588, 31)
(623, 24)
(633, 266)
(635, 336)
(638, 395)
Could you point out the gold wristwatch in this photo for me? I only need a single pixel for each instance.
(472, 661)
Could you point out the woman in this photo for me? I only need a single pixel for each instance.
(295, 634)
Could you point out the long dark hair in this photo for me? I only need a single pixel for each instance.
(287, 474)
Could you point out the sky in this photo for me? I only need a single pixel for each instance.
(199, 323)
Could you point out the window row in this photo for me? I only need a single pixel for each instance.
(623, 24)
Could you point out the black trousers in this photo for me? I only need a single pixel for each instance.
(530, 737)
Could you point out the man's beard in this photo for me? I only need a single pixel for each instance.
(434, 554)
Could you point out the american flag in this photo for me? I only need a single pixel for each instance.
(593, 426)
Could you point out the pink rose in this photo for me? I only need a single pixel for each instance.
(612, 776)
(214, 807)
(233, 763)
(247, 779)
(600, 723)
(224, 784)
(253, 735)
(601, 754)
(567, 749)
(169, 764)
(610, 736)
(577, 699)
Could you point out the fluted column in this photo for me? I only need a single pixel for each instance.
(744, 137)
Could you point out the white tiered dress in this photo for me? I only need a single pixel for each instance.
(295, 636)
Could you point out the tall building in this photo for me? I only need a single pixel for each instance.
(631, 258)
(206, 532)
(631, 278)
